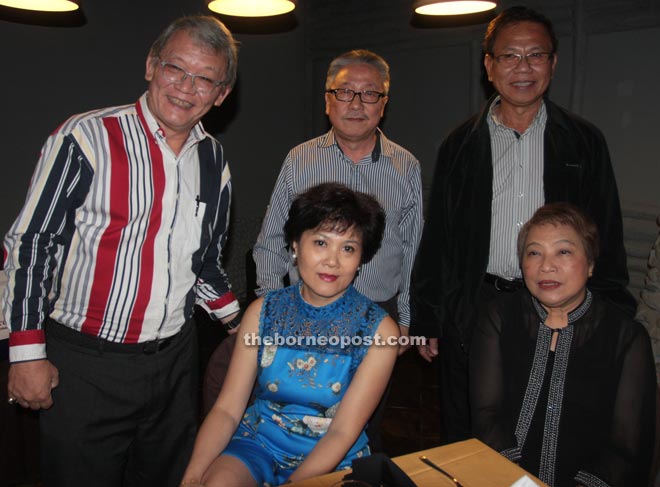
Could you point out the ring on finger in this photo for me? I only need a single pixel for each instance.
(12, 400)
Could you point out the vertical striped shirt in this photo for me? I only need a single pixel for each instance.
(517, 188)
(390, 173)
(119, 237)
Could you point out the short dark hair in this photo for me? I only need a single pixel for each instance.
(359, 56)
(515, 15)
(563, 213)
(335, 207)
(209, 32)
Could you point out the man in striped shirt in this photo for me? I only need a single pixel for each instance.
(120, 236)
(356, 153)
(492, 173)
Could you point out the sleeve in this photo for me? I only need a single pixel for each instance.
(490, 422)
(411, 230)
(35, 241)
(648, 311)
(610, 277)
(626, 456)
(213, 290)
(270, 253)
(426, 298)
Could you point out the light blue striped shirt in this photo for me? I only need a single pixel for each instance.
(517, 188)
(391, 174)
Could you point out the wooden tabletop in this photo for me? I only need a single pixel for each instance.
(473, 463)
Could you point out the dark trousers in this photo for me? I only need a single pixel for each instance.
(454, 377)
(119, 419)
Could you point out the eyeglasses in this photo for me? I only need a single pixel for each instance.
(344, 94)
(176, 74)
(514, 59)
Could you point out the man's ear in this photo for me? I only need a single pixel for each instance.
(224, 92)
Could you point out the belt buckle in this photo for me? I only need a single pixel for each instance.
(497, 284)
(154, 346)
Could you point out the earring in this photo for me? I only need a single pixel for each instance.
(295, 259)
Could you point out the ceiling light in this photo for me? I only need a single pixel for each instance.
(43, 5)
(451, 7)
(251, 8)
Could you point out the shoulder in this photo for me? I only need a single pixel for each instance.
(612, 319)
(310, 147)
(388, 327)
(559, 116)
(507, 308)
(397, 152)
(95, 118)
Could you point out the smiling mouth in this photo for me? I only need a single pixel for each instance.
(180, 103)
(328, 277)
(522, 84)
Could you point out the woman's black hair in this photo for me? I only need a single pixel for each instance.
(337, 208)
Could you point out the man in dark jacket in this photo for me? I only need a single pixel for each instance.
(492, 173)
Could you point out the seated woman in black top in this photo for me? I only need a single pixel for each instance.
(560, 381)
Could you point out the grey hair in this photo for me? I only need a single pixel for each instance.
(208, 31)
(359, 56)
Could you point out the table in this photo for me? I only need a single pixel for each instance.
(472, 462)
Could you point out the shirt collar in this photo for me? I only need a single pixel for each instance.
(494, 122)
(380, 148)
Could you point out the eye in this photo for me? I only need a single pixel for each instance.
(507, 58)
(206, 83)
(565, 252)
(532, 253)
(173, 69)
(536, 55)
(319, 243)
(349, 248)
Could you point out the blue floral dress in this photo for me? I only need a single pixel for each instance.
(307, 359)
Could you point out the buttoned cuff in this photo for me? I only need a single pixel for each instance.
(224, 306)
(27, 345)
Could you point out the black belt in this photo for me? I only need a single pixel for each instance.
(504, 285)
(95, 343)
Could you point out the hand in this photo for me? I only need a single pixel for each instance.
(405, 332)
(430, 350)
(30, 383)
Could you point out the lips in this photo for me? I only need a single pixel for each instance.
(179, 103)
(548, 285)
(328, 277)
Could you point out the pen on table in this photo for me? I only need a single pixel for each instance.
(433, 465)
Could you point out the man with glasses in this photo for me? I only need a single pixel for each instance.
(354, 152)
(492, 173)
(121, 235)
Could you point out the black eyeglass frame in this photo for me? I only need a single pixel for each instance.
(357, 93)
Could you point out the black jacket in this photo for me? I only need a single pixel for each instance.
(453, 254)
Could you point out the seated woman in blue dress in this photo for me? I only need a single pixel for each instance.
(561, 381)
(321, 354)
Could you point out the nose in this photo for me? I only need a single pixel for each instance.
(331, 259)
(523, 65)
(356, 102)
(548, 264)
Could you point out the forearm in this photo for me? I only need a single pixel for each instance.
(325, 456)
(213, 437)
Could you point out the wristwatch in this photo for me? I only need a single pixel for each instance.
(233, 323)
